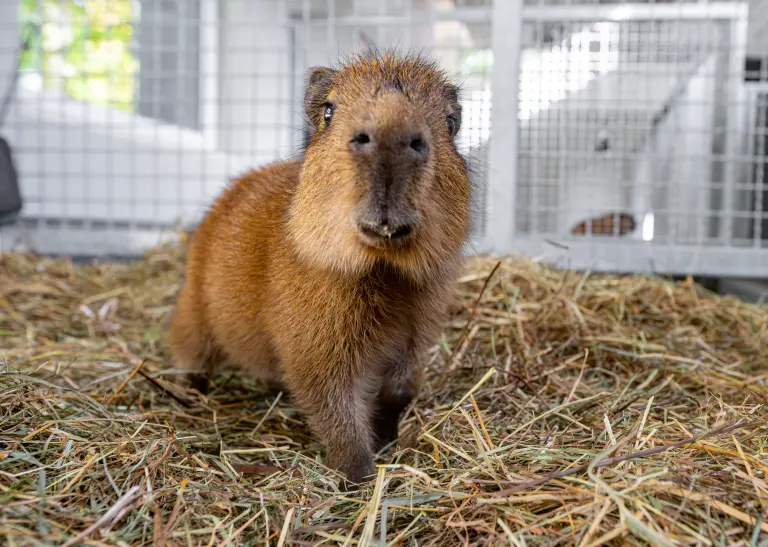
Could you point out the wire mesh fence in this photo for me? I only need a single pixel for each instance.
(629, 136)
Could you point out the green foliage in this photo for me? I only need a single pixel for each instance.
(477, 61)
(82, 48)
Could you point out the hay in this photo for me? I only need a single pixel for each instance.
(559, 409)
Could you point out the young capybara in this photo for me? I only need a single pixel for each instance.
(331, 274)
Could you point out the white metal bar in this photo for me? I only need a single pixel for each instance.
(300, 47)
(408, 14)
(209, 72)
(634, 12)
(630, 256)
(735, 112)
(622, 256)
(330, 43)
(547, 13)
(380, 28)
(759, 124)
(295, 85)
(752, 121)
(506, 41)
(86, 239)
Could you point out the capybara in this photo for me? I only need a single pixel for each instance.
(331, 274)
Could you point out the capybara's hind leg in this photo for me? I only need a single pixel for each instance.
(191, 344)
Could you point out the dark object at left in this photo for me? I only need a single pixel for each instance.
(10, 196)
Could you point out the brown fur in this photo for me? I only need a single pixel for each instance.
(282, 281)
(606, 225)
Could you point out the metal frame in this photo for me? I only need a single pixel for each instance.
(73, 237)
(627, 255)
(499, 235)
(513, 10)
(499, 222)
(506, 19)
(624, 256)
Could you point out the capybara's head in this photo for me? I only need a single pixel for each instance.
(382, 179)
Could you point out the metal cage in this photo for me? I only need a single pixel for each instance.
(608, 136)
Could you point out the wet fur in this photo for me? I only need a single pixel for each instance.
(279, 282)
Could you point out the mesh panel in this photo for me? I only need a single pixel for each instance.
(641, 126)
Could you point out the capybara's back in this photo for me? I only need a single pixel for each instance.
(219, 313)
(331, 274)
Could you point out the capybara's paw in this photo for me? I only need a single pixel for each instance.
(196, 380)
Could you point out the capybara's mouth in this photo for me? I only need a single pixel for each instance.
(385, 239)
(386, 233)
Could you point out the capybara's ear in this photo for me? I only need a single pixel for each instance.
(315, 96)
(453, 92)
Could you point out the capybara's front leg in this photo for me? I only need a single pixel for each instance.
(401, 380)
(339, 415)
(390, 404)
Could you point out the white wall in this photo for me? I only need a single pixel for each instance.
(77, 160)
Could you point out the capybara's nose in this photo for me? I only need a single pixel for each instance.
(412, 143)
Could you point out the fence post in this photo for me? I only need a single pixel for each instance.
(731, 226)
(209, 72)
(506, 43)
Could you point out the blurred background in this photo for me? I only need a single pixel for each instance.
(606, 136)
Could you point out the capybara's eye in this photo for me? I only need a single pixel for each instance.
(451, 125)
(328, 113)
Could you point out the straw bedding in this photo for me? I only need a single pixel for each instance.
(560, 409)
